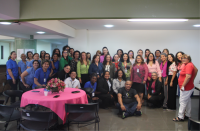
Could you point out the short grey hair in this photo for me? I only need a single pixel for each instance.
(154, 73)
(163, 54)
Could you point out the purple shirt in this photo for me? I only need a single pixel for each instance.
(102, 58)
(163, 69)
(139, 73)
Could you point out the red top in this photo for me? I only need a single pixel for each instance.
(139, 73)
(188, 69)
(116, 66)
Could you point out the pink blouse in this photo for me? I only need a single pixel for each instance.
(139, 73)
(102, 58)
(180, 67)
(155, 68)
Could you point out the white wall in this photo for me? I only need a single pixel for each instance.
(175, 40)
(42, 45)
(6, 52)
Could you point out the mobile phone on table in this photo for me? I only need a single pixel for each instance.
(56, 96)
(75, 91)
(35, 91)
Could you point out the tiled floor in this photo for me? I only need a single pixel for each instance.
(151, 120)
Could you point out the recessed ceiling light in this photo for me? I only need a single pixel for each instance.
(40, 32)
(197, 25)
(109, 26)
(5, 23)
(157, 20)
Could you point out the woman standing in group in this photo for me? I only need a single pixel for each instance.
(42, 74)
(89, 56)
(115, 61)
(118, 82)
(29, 56)
(147, 52)
(157, 56)
(22, 65)
(163, 68)
(105, 52)
(126, 65)
(131, 56)
(104, 87)
(27, 77)
(71, 51)
(57, 51)
(82, 69)
(54, 64)
(12, 72)
(186, 84)
(139, 76)
(180, 65)
(120, 53)
(96, 67)
(66, 59)
(166, 51)
(35, 57)
(98, 53)
(42, 53)
(109, 66)
(172, 82)
(75, 60)
(153, 66)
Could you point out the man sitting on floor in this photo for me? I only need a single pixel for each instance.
(127, 101)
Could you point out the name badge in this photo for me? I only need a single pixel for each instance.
(93, 94)
(44, 79)
(138, 70)
(97, 73)
(125, 70)
(162, 71)
(152, 91)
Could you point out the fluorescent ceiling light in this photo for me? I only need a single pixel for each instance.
(5, 23)
(108, 26)
(197, 25)
(157, 20)
(40, 32)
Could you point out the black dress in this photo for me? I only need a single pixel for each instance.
(105, 92)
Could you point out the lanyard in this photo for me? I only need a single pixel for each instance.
(125, 65)
(72, 83)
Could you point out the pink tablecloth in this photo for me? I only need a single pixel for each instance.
(57, 105)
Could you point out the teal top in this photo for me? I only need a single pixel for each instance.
(82, 68)
(63, 62)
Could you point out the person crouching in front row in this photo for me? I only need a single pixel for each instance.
(129, 101)
(72, 82)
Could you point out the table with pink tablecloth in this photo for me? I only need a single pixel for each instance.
(57, 105)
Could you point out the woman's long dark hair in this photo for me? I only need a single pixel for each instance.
(154, 60)
(131, 51)
(41, 53)
(105, 62)
(102, 51)
(11, 54)
(75, 53)
(94, 57)
(27, 54)
(169, 63)
(122, 60)
(113, 60)
(55, 51)
(67, 55)
(176, 59)
(123, 76)
(90, 56)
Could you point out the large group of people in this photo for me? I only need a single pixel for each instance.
(124, 80)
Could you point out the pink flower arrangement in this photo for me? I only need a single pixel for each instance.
(55, 84)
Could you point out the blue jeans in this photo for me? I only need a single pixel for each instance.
(130, 108)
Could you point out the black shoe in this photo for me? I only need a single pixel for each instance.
(186, 118)
(164, 108)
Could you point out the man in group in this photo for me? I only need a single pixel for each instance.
(72, 82)
(129, 101)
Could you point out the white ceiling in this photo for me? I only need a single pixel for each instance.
(24, 30)
(122, 24)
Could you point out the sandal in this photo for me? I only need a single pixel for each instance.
(177, 119)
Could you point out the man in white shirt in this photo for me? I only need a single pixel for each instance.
(72, 82)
